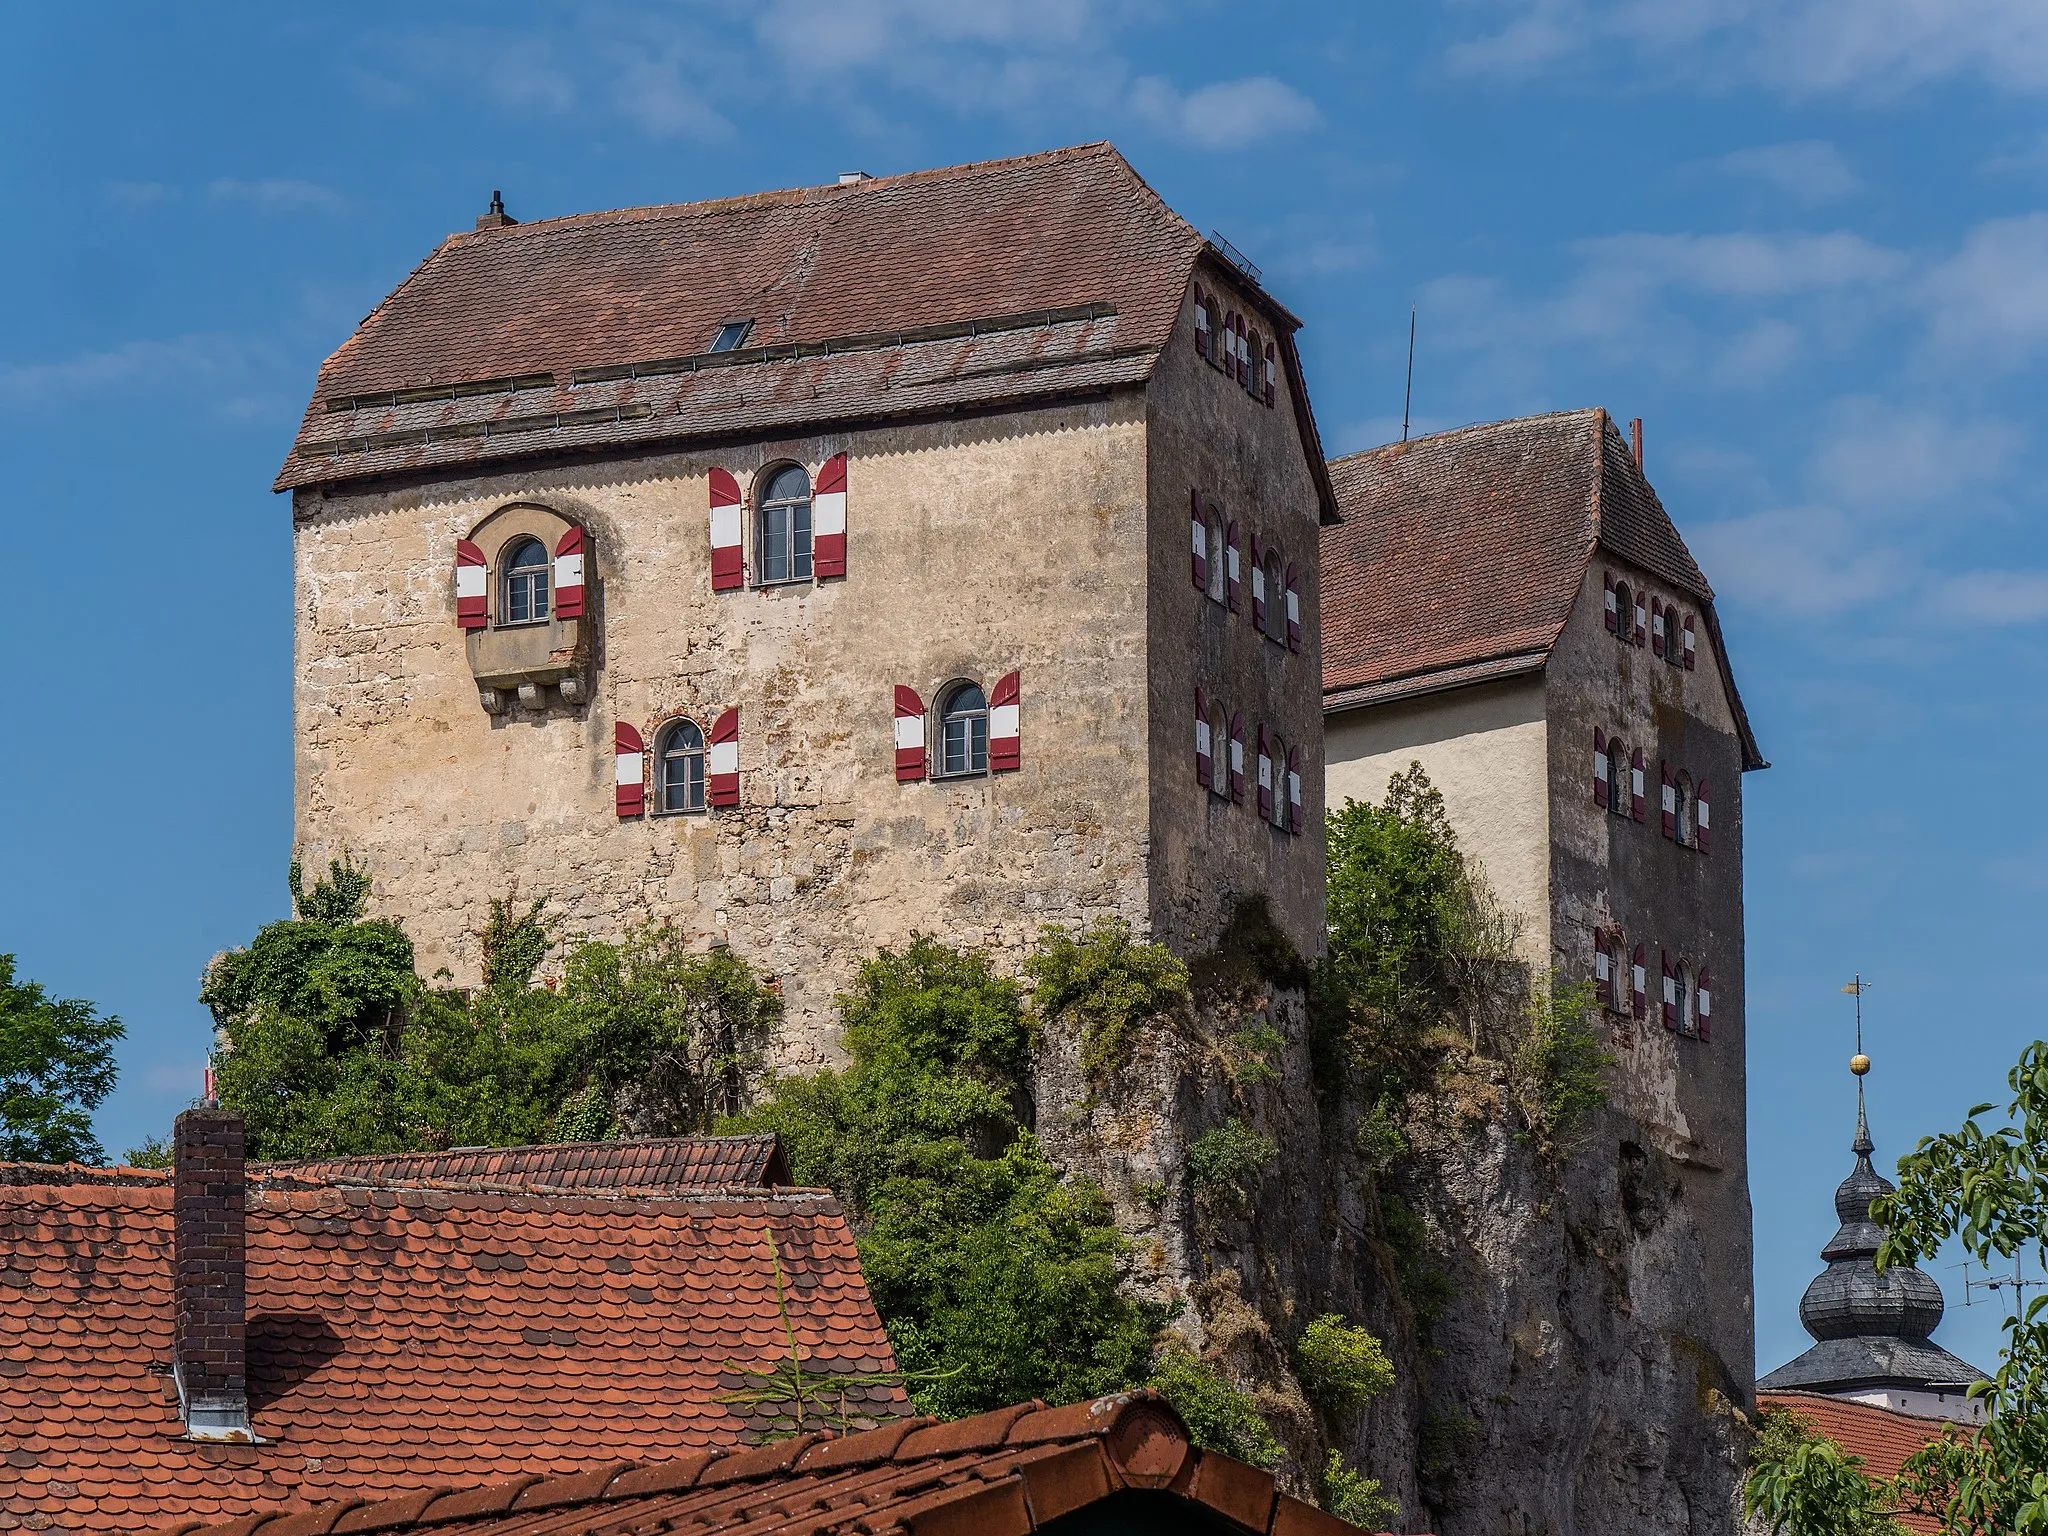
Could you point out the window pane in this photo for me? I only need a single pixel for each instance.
(953, 747)
(774, 544)
(978, 726)
(789, 484)
(800, 539)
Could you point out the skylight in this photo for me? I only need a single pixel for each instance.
(730, 335)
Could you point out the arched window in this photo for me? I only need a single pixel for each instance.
(1276, 594)
(1620, 799)
(681, 767)
(963, 732)
(1217, 575)
(1625, 612)
(1219, 737)
(1685, 811)
(784, 543)
(1688, 1016)
(526, 583)
(1277, 813)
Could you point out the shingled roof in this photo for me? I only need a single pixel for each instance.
(406, 1338)
(654, 1163)
(1460, 555)
(1881, 1437)
(1005, 1473)
(896, 296)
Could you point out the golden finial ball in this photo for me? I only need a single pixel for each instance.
(1859, 1064)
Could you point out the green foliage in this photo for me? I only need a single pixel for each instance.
(1252, 1053)
(1355, 1498)
(1804, 1484)
(998, 1279)
(515, 942)
(334, 902)
(1341, 1366)
(1380, 1140)
(56, 1066)
(1987, 1187)
(1422, 1283)
(154, 1152)
(1220, 1415)
(1108, 984)
(1224, 1164)
(1557, 1066)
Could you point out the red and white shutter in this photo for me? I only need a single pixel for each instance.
(1656, 627)
(1202, 343)
(1244, 353)
(1294, 790)
(1603, 970)
(1642, 620)
(910, 761)
(1205, 749)
(1003, 748)
(1272, 376)
(1613, 620)
(1231, 565)
(1201, 533)
(1237, 759)
(1635, 784)
(828, 519)
(1639, 999)
(1258, 587)
(1699, 817)
(1668, 792)
(1703, 1004)
(1293, 610)
(629, 770)
(472, 586)
(1601, 788)
(728, 554)
(722, 762)
(1688, 643)
(569, 575)
(1670, 991)
(1265, 778)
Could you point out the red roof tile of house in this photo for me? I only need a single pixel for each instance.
(1460, 555)
(964, 287)
(1005, 1473)
(654, 1163)
(406, 1338)
(1882, 1438)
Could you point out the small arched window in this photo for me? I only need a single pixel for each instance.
(1218, 576)
(1688, 1015)
(1625, 610)
(963, 732)
(1277, 805)
(784, 540)
(526, 583)
(1219, 736)
(681, 766)
(1620, 801)
(1685, 811)
(1276, 594)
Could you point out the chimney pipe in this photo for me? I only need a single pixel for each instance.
(496, 217)
(209, 1274)
(1635, 439)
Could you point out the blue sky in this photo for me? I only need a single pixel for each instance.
(1807, 240)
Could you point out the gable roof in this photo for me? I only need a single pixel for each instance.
(1005, 1473)
(654, 1163)
(965, 287)
(1460, 555)
(402, 1338)
(1880, 1436)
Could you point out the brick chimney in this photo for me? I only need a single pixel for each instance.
(209, 1262)
(497, 217)
(1635, 440)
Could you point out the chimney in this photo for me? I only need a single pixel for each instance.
(209, 1262)
(497, 217)
(1635, 439)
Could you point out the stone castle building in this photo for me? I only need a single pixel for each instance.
(935, 552)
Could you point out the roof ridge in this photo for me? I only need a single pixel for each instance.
(556, 1194)
(525, 1146)
(1408, 443)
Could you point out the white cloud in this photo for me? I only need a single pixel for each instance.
(1809, 171)
(1809, 560)
(159, 364)
(1988, 304)
(137, 195)
(1979, 599)
(1227, 115)
(1878, 457)
(277, 195)
(1743, 265)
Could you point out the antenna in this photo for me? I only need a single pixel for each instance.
(1408, 395)
(1994, 1285)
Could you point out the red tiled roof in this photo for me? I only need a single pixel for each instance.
(939, 289)
(1468, 548)
(403, 1338)
(1882, 1438)
(655, 1163)
(999, 1474)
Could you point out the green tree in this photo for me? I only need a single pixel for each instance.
(1342, 1367)
(56, 1066)
(1988, 1187)
(1803, 1484)
(1109, 984)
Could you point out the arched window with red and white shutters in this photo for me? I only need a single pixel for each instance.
(1603, 970)
(1254, 349)
(1689, 642)
(1601, 788)
(1258, 585)
(1265, 777)
(1293, 609)
(722, 761)
(1205, 756)
(1699, 817)
(1237, 759)
(1670, 991)
(1244, 353)
(1233, 581)
(1703, 1007)
(1668, 799)
(828, 519)
(472, 586)
(1200, 525)
(1272, 376)
(569, 550)
(629, 770)
(1294, 790)
(1642, 620)
(728, 520)
(1613, 618)
(1657, 627)
(1004, 750)
(910, 750)
(1202, 335)
(1638, 998)
(1635, 784)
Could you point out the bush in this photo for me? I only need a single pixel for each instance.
(1804, 1484)
(1342, 1367)
(1108, 984)
(1225, 1162)
(1557, 1066)
(1220, 1415)
(1355, 1498)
